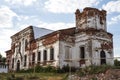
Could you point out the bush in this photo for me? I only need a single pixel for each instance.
(93, 70)
(39, 69)
(48, 68)
(116, 62)
(59, 70)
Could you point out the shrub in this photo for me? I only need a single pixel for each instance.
(38, 69)
(48, 68)
(116, 62)
(59, 70)
(93, 70)
(67, 68)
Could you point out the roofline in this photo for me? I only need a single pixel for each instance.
(50, 34)
(53, 33)
(22, 30)
(31, 27)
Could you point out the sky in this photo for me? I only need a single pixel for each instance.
(16, 15)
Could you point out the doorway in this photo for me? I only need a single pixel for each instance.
(103, 57)
(18, 66)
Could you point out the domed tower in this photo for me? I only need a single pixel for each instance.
(91, 18)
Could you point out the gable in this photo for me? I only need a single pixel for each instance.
(39, 32)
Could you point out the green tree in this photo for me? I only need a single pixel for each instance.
(2, 59)
(0, 56)
(116, 62)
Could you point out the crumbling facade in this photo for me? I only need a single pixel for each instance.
(88, 43)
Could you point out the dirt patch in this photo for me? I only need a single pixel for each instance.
(111, 74)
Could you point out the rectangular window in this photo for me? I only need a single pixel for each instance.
(82, 52)
(26, 44)
(67, 52)
(13, 63)
(45, 55)
(39, 57)
(19, 46)
(25, 59)
(33, 58)
(52, 54)
(82, 55)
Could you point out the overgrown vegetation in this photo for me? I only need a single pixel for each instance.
(97, 69)
(43, 73)
(93, 70)
(40, 69)
(2, 59)
(30, 76)
(62, 74)
(116, 62)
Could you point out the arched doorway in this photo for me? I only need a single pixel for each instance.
(18, 66)
(103, 57)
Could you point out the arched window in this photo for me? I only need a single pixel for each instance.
(19, 46)
(39, 57)
(101, 22)
(51, 53)
(18, 66)
(13, 63)
(25, 59)
(45, 55)
(33, 58)
(82, 52)
(26, 43)
(103, 57)
(82, 55)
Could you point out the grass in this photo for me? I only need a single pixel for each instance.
(31, 76)
(54, 75)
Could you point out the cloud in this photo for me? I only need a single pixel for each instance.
(5, 40)
(52, 26)
(25, 21)
(114, 20)
(6, 17)
(21, 2)
(112, 6)
(68, 6)
(56, 26)
(117, 51)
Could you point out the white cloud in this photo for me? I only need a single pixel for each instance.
(68, 6)
(5, 40)
(6, 16)
(21, 2)
(25, 21)
(112, 6)
(114, 20)
(6, 27)
(36, 22)
(56, 26)
(117, 51)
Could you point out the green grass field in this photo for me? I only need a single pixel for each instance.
(31, 76)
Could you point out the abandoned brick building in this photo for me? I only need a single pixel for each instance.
(88, 43)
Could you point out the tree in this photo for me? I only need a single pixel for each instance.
(116, 62)
(0, 56)
(2, 59)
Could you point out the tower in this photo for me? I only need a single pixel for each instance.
(91, 18)
(92, 39)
